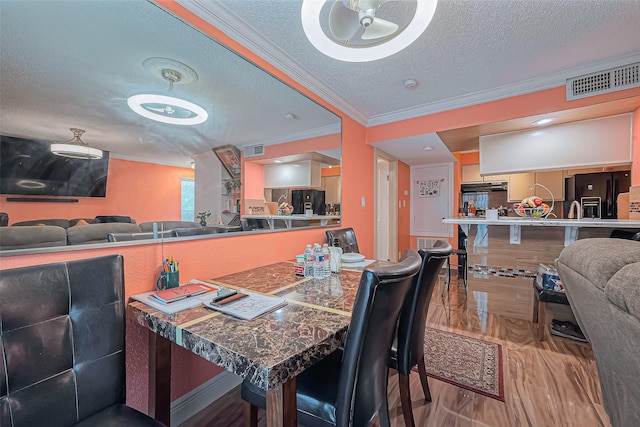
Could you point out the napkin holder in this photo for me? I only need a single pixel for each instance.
(336, 255)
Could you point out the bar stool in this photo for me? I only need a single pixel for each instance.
(462, 263)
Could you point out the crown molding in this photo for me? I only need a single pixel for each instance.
(226, 21)
(521, 88)
(296, 136)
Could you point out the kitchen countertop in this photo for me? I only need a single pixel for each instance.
(537, 222)
(571, 226)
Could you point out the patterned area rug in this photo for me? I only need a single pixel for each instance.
(466, 362)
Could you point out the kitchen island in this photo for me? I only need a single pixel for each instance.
(503, 255)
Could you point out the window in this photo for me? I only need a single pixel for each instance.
(187, 199)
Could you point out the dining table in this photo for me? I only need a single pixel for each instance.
(269, 350)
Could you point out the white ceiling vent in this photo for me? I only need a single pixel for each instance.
(254, 150)
(606, 81)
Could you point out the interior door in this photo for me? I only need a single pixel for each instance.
(386, 201)
(431, 199)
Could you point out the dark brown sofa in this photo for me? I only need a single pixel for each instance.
(62, 346)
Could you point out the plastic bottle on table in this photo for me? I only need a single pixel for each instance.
(308, 261)
(318, 268)
(326, 260)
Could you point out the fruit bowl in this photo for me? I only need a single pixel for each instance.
(537, 212)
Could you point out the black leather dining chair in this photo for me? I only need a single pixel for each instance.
(408, 349)
(346, 238)
(349, 387)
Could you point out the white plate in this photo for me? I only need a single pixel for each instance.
(351, 257)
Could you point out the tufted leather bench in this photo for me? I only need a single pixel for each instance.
(62, 345)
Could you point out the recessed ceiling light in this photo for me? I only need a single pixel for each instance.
(410, 84)
(289, 116)
(428, 148)
(277, 161)
(544, 121)
(310, 15)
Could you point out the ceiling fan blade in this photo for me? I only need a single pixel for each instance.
(379, 28)
(343, 22)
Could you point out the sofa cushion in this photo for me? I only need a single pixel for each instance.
(32, 236)
(97, 233)
(58, 222)
(623, 289)
(599, 259)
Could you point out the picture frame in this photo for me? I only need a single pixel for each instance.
(229, 156)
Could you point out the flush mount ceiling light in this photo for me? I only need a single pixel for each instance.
(164, 108)
(544, 121)
(343, 26)
(75, 147)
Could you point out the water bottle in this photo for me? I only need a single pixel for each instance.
(318, 268)
(326, 261)
(308, 262)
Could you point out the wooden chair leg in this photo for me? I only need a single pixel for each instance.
(405, 400)
(422, 370)
(250, 415)
(541, 320)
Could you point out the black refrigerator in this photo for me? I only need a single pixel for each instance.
(591, 186)
(314, 199)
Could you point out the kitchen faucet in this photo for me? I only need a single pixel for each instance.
(575, 211)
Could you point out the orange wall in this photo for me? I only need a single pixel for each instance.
(143, 191)
(404, 208)
(334, 171)
(635, 168)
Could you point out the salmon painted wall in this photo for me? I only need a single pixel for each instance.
(635, 167)
(334, 171)
(404, 207)
(143, 191)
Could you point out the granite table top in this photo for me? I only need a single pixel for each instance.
(271, 348)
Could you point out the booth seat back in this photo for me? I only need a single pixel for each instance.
(32, 236)
(62, 341)
(98, 233)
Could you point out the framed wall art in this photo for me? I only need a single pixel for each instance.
(229, 156)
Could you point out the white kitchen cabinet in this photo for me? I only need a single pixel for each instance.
(471, 174)
(300, 174)
(521, 184)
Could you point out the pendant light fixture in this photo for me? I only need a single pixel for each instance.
(165, 108)
(76, 148)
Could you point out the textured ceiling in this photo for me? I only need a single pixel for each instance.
(72, 63)
(472, 52)
(480, 49)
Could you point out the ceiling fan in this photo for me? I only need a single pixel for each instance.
(348, 16)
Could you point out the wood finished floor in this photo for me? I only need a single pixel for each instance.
(550, 383)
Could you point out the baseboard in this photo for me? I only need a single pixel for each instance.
(202, 396)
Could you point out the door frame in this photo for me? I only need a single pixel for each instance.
(392, 204)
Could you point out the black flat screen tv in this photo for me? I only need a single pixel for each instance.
(29, 168)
